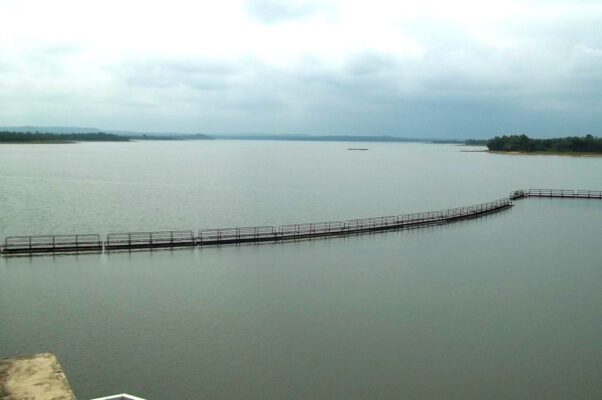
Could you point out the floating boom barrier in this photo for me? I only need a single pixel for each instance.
(92, 243)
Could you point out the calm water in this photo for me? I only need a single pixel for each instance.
(508, 306)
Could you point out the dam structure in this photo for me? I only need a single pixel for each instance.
(129, 241)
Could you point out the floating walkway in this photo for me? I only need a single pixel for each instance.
(557, 193)
(349, 227)
(52, 244)
(86, 243)
(149, 240)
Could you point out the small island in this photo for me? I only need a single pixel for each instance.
(522, 144)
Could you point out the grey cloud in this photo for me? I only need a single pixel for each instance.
(40, 59)
(478, 94)
(257, 103)
(60, 49)
(369, 63)
(275, 11)
(546, 82)
(193, 73)
(200, 66)
(545, 66)
(586, 61)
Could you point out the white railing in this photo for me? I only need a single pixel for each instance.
(123, 396)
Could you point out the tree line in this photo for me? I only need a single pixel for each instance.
(585, 144)
(22, 137)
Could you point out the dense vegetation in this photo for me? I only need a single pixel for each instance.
(476, 142)
(574, 144)
(468, 142)
(21, 137)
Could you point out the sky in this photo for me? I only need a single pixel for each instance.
(419, 69)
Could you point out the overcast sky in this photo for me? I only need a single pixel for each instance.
(447, 69)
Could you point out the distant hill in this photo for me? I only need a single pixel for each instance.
(329, 138)
(136, 135)
(50, 129)
(168, 136)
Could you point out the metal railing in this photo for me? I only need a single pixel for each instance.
(133, 240)
(52, 243)
(123, 396)
(333, 228)
(166, 239)
(242, 233)
(582, 194)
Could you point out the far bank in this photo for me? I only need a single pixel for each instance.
(545, 153)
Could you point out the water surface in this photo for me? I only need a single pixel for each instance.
(506, 306)
(141, 186)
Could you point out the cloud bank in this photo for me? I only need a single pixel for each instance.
(433, 69)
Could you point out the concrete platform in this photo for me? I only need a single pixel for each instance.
(35, 377)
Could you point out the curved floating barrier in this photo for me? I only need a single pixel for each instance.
(52, 244)
(208, 237)
(557, 193)
(149, 240)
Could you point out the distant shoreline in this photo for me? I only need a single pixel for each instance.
(545, 153)
(310, 138)
(586, 146)
(8, 137)
(39, 142)
(53, 138)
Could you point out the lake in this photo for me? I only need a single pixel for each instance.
(505, 306)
